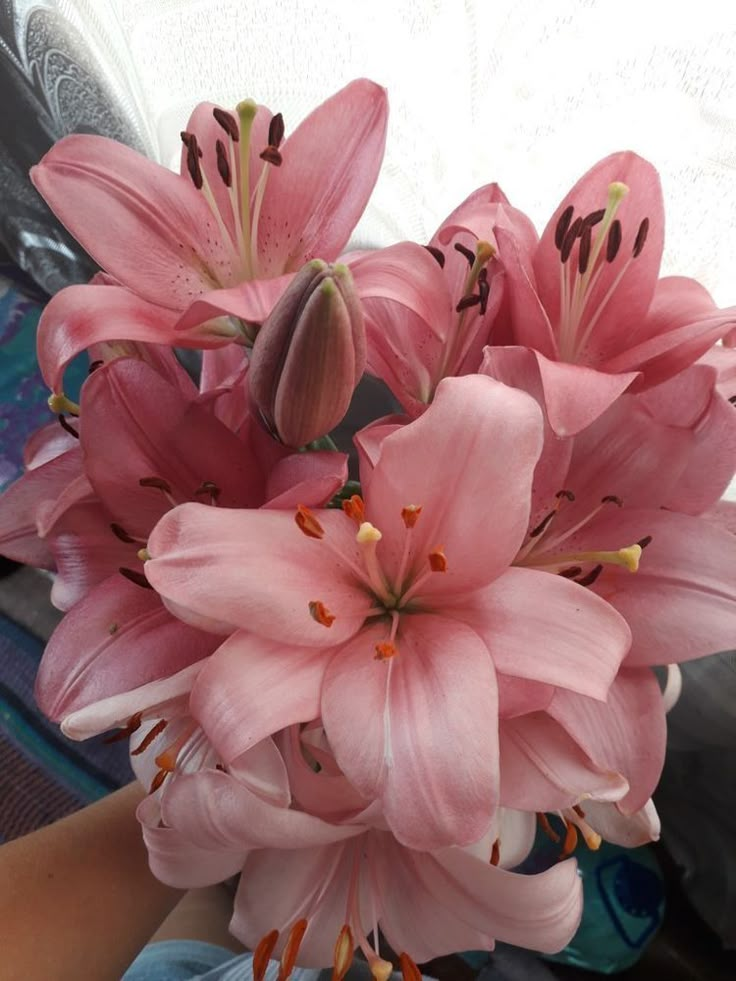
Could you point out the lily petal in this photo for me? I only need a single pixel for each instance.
(267, 572)
(544, 769)
(252, 688)
(446, 466)
(147, 209)
(80, 316)
(627, 733)
(389, 726)
(681, 604)
(548, 629)
(330, 164)
(118, 638)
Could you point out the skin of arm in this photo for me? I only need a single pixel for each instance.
(77, 898)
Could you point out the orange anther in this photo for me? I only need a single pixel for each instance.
(385, 650)
(319, 612)
(547, 827)
(437, 560)
(262, 954)
(291, 950)
(344, 948)
(355, 508)
(149, 737)
(409, 970)
(410, 514)
(496, 852)
(158, 780)
(308, 523)
(571, 840)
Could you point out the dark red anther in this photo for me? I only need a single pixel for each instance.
(563, 223)
(121, 533)
(149, 737)
(132, 725)
(484, 290)
(94, 365)
(612, 499)
(223, 164)
(472, 300)
(464, 250)
(67, 427)
(186, 138)
(570, 572)
(641, 237)
(643, 542)
(584, 252)
(276, 130)
(614, 240)
(591, 577)
(538, 529)
(158, 482)
(567, 494)
(227, 122)
(569, 240)
(135, 577)
(732, 400)
(271, 155)
(437, 254)
(594, 217)
(207, 487)
(193, 155)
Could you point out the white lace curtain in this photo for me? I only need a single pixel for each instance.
(525, 92)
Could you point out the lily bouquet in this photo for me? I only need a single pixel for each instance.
(362, 691)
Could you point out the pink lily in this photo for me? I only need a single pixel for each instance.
(626, 494)
(145, 445)
(430, 310)
(587, 300)
(325, 881)
(386, 632)
(223, 237)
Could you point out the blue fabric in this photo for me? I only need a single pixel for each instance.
(178, 960)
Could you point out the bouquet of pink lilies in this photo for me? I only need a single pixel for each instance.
(363, 692)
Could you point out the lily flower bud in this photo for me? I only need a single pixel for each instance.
(309, 355)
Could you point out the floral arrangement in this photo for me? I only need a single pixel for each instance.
(364, 690)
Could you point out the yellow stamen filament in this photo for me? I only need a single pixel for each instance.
(577, 817)
(307, 523)
(319, 612)
(60, 405)
(573, 299)
(627, 557)
(246, 111)
(484, 252)
(344, 948)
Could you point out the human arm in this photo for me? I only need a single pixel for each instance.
(77, 898)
